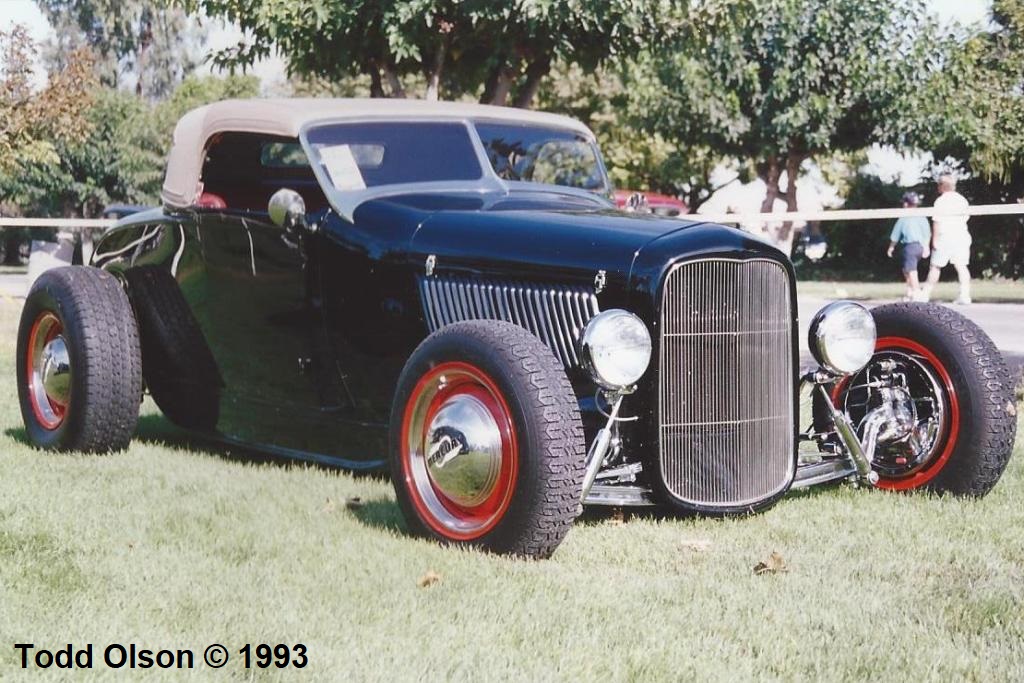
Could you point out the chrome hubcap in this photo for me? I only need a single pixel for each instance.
(49, 371)
(56, 371)
(459, 451)
(463, 451)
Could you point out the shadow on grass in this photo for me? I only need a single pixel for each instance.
(18, 434)
(381, 513)
(157, 429)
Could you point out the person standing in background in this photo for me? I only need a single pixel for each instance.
(913, 235)
(951, 241)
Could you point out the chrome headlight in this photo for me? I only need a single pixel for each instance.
(842, 337)
(616, 349)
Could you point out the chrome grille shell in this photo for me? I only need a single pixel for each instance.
(726, 387)
(556, 314)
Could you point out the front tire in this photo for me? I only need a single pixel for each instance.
(960, 383)
(486, 441)
(79, 364)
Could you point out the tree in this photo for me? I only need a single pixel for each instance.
(774, 83)
(637, 159)
(979, 119)
(977, 125)
(73, 147)
(33, 125)
(497, 50)
(140, 44)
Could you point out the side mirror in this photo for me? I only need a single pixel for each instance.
(287, 209)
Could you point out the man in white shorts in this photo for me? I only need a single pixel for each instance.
(951, 241)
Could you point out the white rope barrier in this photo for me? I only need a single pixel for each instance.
(65, 223)
(855, 214)
(779, 217)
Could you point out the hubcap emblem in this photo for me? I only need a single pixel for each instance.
(463, 450)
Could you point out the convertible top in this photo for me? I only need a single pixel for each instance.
(287, 116)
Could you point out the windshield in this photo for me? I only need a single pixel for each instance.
(356, 156)
(535, 154)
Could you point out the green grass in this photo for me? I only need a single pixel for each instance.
(174, 544)
(982, 291)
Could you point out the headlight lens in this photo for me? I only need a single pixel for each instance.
(616, 348)
(842, 337)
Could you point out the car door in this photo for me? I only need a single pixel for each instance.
(257, 311)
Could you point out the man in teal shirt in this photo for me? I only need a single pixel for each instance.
(914, 235)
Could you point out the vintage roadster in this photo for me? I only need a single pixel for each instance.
(447, 290)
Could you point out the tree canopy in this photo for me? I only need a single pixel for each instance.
(496, 50)
(773, 83)
(978, 114)
(143, 44)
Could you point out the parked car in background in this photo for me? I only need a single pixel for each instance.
(447, 291)
(658, 204)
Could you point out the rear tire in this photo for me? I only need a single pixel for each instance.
(88, 400)
(974, 386)
(177, 364)
(514, 391)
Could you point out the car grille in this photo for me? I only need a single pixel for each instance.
(726, 382)
(555, 314)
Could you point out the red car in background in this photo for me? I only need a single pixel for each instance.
(659, 204)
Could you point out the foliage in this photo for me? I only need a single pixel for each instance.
(636, 158)
(33, 125)
(74, 147)
(499, 50)
(140, 44)
(196, 91)
(775, 82)
(120, 161)
(978, 116)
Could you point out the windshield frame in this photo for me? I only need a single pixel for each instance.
(345, 202)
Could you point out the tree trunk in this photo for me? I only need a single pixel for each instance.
(499, 86)
(145, 38)
(786, 232)
(770, 172)
(491, 84)
(434, 69)
(394, 82)
(376, 86)
(535, 74)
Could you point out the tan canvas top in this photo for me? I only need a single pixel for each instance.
(286, 117)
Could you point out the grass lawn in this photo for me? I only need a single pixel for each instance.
(982, 291)
(174, 545)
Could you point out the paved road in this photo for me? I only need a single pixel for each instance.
(13, 285)
(1003, 322)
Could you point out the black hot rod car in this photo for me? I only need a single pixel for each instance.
(448, 290)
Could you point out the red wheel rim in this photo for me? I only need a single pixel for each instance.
(449, 390)
(45, 342)
(951, 421)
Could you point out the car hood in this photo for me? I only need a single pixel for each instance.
(539, 242)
